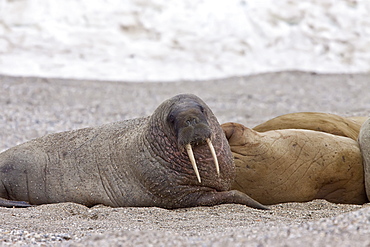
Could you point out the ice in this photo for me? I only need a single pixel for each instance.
(157, 40)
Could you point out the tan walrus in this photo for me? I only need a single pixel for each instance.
(177, 157)
(324, 122)
(292, 159)
(364, 141)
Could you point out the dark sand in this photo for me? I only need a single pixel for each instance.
(32, 107)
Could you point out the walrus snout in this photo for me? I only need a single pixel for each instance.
(193, 134)
(190, 125)
(192, 129)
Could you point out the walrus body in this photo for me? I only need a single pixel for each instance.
(317, 121)
(364, 141)
(296, 165)
(140, 162)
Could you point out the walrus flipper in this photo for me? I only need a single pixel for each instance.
(225, 197)
(10, 204)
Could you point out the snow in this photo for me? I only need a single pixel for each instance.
(158, 40)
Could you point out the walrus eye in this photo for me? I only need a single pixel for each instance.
(201, 108)
(171, 118)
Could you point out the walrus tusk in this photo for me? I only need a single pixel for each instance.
(192, 159)
(214, 156)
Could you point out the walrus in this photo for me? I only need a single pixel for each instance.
(299, 157)
(364, 142)
(177, 157)
(317, 121)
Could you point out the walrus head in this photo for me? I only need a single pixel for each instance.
(186, 123)
(189, 122)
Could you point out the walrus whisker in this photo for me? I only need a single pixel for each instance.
(210, 145)
(192, 160)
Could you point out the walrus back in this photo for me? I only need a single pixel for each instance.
(67, 166)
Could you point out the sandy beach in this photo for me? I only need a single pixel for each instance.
(32, 107)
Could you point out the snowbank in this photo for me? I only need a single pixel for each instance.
(142, 40)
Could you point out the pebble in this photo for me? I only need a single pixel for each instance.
(21, 237)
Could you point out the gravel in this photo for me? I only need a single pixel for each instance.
(32, 107)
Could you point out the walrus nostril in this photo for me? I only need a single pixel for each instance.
(192, 122)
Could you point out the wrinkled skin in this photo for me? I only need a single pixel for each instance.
(138, 162)
(296, 165)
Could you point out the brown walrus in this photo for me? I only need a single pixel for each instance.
(287, 160)
(141, 162)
